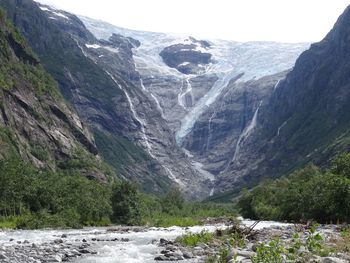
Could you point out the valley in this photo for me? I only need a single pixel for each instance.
(173, 108)
(124, 145)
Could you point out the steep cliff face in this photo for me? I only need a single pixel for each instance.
(210, 102)
(100, 79)
(218, 135)
(35, 122)
(307, 118)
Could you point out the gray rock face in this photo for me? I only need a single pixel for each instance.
(208, 116)
(100, 79)
(35, 121)
(100, 102)
(207, 111)
(217, 136)
(187, 58)
(306, 120)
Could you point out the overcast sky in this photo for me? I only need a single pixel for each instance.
(240, 20)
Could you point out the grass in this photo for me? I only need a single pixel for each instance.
(166, 220)
(8, 223)
(193, 239)
(342, 245)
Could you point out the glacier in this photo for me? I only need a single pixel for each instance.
(251, 60)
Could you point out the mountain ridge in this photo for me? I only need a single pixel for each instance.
(309, 109)
(208, 126)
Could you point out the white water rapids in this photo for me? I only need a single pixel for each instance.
(142, 246)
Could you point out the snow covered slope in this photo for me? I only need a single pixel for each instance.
(188, 103)
(251, 60)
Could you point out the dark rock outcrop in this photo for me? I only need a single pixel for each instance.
(188, 58)
(35, 122)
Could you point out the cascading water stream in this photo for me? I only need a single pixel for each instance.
(144, 137)
(140, 247)
(245, 134)
(209, 98)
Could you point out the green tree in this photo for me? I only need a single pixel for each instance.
(341, 165)
(173, 201)
(126, 203)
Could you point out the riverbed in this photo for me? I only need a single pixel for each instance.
(118, 244)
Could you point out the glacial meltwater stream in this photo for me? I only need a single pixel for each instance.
(112, 245)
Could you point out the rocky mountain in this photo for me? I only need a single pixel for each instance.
(167, 109)
(106, 90)
(208, 92)
(35, 121)
(307, 117)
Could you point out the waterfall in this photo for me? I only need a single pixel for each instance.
(182, 95)
(145, 139)
(281, 127)
(276, 85)
(190, 119)
(246, 133)
(154, 98)
(209, 129)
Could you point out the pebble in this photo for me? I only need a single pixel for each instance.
(333, 260)
(58, 241)
(161, 258)
(53, 251)
(63, 250)
(238, 255)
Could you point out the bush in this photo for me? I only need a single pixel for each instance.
(32, 198)
(126, 203)
(306, 194)
(193, 239)
(44, 198)
(173, 201)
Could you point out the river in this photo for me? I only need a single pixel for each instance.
(113, 244)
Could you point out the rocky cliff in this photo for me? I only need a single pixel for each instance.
(209, 116)
(207, 92)
(35, 121)
(307, 117)
(99, 78)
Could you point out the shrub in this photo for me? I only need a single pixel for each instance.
(193, 239)
(126, 203)
(306, 194)
(44, 198)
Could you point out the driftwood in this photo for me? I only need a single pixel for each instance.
(244, 232)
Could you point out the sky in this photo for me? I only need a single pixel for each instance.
(239, 20)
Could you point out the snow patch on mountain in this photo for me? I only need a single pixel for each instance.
(249, 60)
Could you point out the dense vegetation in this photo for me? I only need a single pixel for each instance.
(27, 67)
(32, 198)
(172, 209)
(308, 194)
